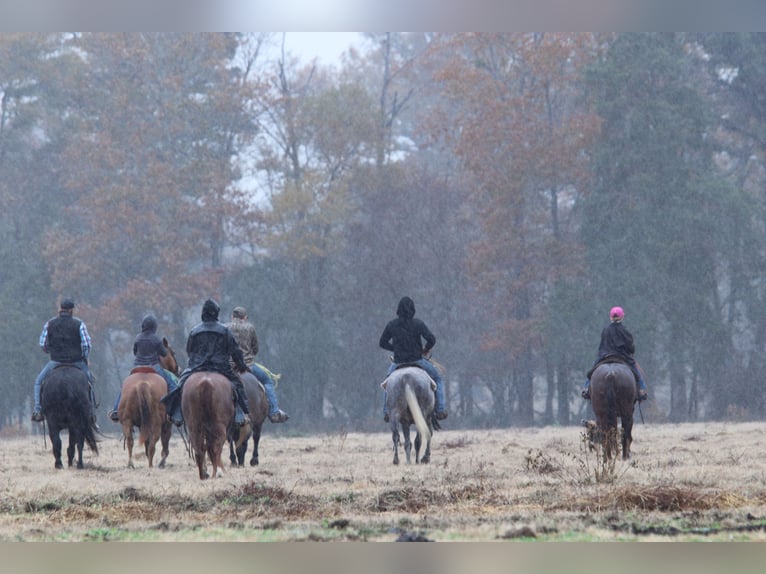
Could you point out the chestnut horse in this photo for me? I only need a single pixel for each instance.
(410, 400)
(65, 401)
(207, 403)
(140, 407)
(259, 410)
(613, 394)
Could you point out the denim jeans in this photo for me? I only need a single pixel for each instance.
(169, 377)
(433, 372)
(50, 365)
(268, 385)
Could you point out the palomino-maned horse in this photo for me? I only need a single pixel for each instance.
(612, 395)
(207, 403)
(259, 410)
(140, 407)
(65, 401)
(410, 400)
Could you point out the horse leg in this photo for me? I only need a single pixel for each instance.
(407, 442)
(627, 436)
(427, 454)
(129, 440)
(165, 431)
(215, 450)
(256, 440)
(395, 437)
(71, 448)
(418, 442)
(56, 443)
(150, 447)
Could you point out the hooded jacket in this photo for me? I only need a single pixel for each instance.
(147, 346)
(211, 345)
(405, 335)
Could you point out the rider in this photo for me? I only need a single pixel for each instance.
(244, 332)
(147, 350)
(210, 346)
(65, 338)
(617, 340)
(404, 336)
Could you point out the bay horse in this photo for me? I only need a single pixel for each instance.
(410, 400)
(65, 401)
(207, 403)
(259, 410)
(613, 394)
(140, 407)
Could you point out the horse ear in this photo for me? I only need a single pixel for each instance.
(165, 341)
(383, 384)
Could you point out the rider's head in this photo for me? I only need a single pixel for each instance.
(616, 314)
(67, 305)
(149, 324)
(406, 309)
(239, 313)
(210, 310)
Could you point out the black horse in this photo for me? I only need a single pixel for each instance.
(65, 401)
(259, 409)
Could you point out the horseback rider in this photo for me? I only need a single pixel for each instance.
(210, 347)
(404, 336)
(147, 350)
(244, 332)
(65, 338)
(616, 340)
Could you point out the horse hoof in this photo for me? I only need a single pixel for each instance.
(59, 466)
(253, 462)
(162, 464)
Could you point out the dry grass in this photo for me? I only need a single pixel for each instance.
(685, 482)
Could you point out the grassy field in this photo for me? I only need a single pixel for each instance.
(685, 482)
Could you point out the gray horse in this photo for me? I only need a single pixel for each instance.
(410, 400)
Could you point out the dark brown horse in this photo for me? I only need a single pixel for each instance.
(259, 410)
(410, 400)
(613, 394)
(65, 401)
(140, 407)
(207, 403)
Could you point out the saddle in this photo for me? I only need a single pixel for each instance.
(143, 369)
(610, 359)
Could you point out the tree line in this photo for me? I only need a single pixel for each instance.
(515, 185)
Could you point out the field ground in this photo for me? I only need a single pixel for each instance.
(687, 482)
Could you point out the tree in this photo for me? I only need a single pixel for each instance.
(520, 137)
(653, 223)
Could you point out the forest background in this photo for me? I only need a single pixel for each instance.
(515, 185)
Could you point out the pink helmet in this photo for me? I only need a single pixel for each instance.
(616, 314)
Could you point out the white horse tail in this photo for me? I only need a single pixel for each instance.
(417, 414)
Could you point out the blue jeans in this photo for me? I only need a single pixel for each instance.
(50, 365)
(169, 377)
(268, 385)
(433, 372)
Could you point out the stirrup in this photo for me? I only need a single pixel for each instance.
(279, 417)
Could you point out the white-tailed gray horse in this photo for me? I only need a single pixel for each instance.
(410, 400)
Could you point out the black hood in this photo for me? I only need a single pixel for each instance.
(210, 311)
(406, 309)
(149, 324)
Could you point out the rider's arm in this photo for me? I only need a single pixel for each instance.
(44, 338)
(84, 340)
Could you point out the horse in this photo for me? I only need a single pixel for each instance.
(259, 410)
(140, 407)
(410, 400)
(613, 394)
(207, 403)
(65, 401)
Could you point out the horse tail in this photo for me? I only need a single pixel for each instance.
(611, 400)
(417, 414)
(145, 411)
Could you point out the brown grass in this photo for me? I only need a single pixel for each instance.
(684, 482)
